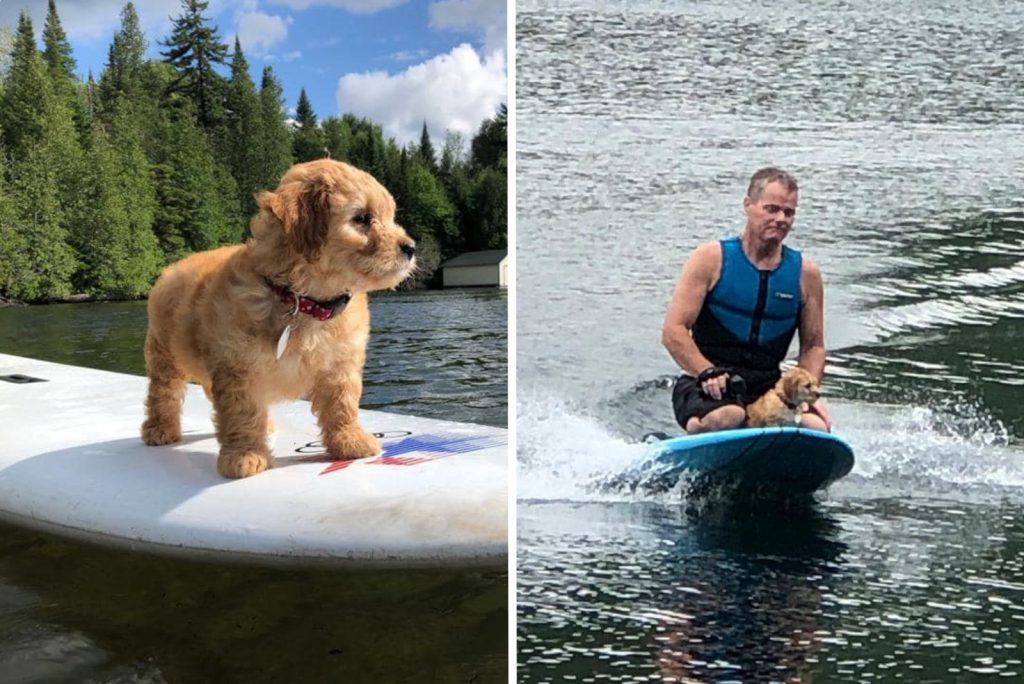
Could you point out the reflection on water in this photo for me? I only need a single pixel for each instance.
(878, 589)
(71, 612)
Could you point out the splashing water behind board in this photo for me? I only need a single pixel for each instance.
(568, 454)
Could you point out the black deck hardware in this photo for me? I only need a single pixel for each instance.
(19, 379)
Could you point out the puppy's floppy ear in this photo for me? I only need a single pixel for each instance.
(304, 210)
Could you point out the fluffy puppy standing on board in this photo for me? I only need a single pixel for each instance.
(279, 317)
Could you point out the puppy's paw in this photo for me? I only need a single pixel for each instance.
(353, 443)
(157, 433)
(243, 464)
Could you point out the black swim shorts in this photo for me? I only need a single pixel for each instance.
(689, 401)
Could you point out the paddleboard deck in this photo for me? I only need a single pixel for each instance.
(72, 462)
(780, 460)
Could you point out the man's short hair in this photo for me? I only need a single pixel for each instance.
(769, 174)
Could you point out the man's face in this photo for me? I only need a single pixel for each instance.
(770, 217)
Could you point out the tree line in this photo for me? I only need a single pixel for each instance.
(105, 182)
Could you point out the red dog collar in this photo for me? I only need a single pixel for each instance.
(318, 310)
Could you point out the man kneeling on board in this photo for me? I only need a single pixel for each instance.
(735, 309)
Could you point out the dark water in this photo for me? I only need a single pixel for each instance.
(79, 613)
(638, 127)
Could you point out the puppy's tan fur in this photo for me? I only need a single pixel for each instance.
(328, 229)
(796, 386)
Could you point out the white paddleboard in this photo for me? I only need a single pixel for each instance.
(72, 463)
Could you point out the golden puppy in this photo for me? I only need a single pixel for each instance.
(781, 404)
(279, 317)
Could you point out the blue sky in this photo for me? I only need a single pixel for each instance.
(399, 62)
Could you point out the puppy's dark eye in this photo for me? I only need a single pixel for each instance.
(364, 219)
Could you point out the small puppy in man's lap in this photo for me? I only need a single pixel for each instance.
(280, 317)
(783, 404)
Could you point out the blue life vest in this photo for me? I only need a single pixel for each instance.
(750, 316)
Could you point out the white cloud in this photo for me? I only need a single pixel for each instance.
(355, 6)
(455, 91)
(260, 32)
(486, 18)
(90, 19)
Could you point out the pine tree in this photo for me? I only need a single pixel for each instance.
(393, 170)
(427, 209)
(425, 152)
(337, 138)
(194, 50)
(367, 149)
(102, 251)
(48, 261)
(57, 53)
(91, 100)
(15, 269)
(489, 210)
(60, 67)
(244, 131)
(485, 223)
(453, 174)
(22, 113)
(309, 138)
(45, 174)
(490, 145)
(122, 74)
(196, 196)
(122, 257)
(276, 142)
(134, 178)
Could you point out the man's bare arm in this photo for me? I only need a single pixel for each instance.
(812, 320)
(696, 279)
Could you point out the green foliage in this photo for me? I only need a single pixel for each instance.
(22, 113)
(196, 196)
(15, 268)
(60, 67)
(193, 50)
(121, 256)
(428, 258)
(362, 145)
(309, 138)
(47, 262)
(337, 138)
(425, 152)
(426, 209)
(275, 146)
(57, 51)
(244, 128)
(123, 75)
(489, 207)
(490, 145)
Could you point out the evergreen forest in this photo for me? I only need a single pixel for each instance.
(106, 180)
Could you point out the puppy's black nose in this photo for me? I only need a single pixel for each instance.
(409, 249)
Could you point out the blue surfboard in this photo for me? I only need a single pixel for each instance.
(784, 460)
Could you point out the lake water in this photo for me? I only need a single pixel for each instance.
(638, 126)
(81, 613)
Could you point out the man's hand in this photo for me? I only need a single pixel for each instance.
(713, 382)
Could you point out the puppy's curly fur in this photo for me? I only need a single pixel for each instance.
(328, 229)
(781, 404)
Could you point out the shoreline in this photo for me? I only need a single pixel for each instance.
(7, 302)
